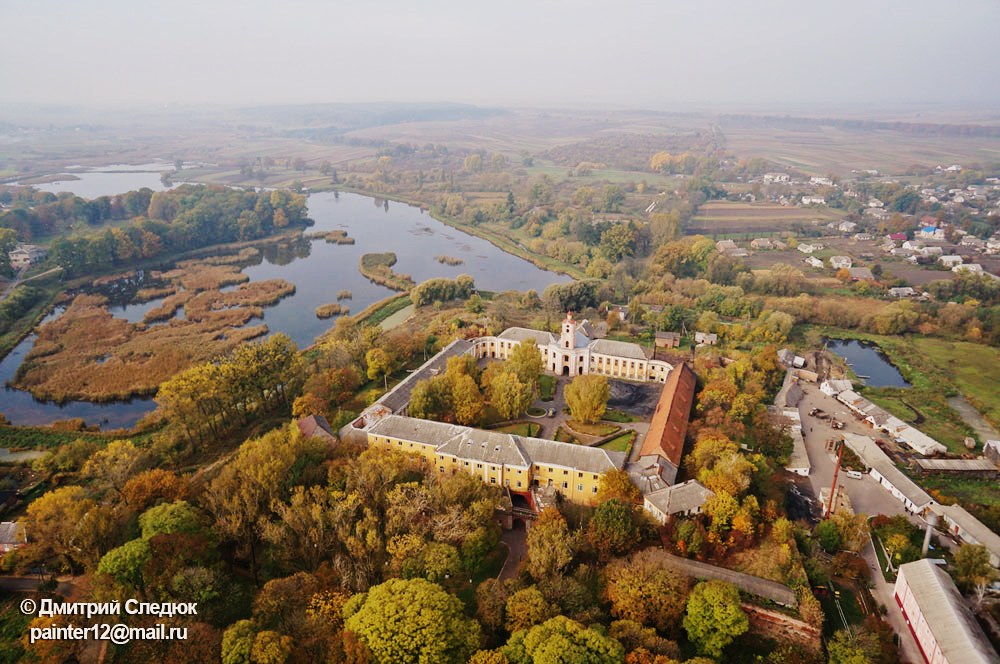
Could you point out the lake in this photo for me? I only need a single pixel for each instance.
(867, 359)
(319, 270)
(109, 180)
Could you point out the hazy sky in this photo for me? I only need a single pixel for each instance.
(662, 54)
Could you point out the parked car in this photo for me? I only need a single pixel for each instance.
(855, 474)
(551, 413)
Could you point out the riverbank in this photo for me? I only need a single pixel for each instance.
(498, 240)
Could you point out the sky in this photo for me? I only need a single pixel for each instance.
(665, 55)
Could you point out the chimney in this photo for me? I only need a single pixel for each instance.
(932, 520)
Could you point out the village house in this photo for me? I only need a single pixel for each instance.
(862, 237)
(813, 200)
(761, 243)
(667, 339)
(808, 248)
(991, 450)
(706, 338)
(685, 499)
(834, 387)
(847, 226)
(812, 261)
(950, 260)
(840, 262)
(902, 291)
(972, 268)
(931, 251)
(931, 233)
(27, 254)
(775, 178)
(860, 274)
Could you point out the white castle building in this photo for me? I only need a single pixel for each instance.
(575, 352)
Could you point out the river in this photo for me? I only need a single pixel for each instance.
(319, 271)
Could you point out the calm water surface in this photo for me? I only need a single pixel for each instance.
(867, 359)
(319, 270)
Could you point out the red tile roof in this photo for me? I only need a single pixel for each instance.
(670, 421)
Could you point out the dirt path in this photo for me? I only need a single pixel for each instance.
(971, 416)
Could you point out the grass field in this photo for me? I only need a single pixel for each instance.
(974, 368)
(728, 217)
(965, 491)
(546, 387)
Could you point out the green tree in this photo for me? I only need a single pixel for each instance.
(587, 397)
(526, 362)
(527, 608)
(412, 620)
(508, 395)
(380, 363)
(615, 528)
(169, 518)
(853, 647)
(973, 569)
(550, 545)
(560, 640)
(237, 642)
(644, 589)
(714, 617)
(468, 400)
(828, 535)
(124, 564)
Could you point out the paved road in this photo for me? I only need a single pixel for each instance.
(516, 541)
(28, 584)
(908, 650)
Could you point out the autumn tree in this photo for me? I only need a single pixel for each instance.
(560, 639)
(526, 361)
(412, 620)
(973, 569)
(550, 545)
(615, 528)
(380, 363)
(508, 395)
(644, 589)
(116, 464)
(241, 495)
(526, 608)
(617, 485)
(149, 487)
(467, 400)
(714, 617)
(54, 521)
(587, 397)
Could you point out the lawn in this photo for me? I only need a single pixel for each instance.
(621, 443)
(13, 627)
(547, 387)
(526, 429)
(564, 436)
(968, 492)
(620, 416)
(597, 429)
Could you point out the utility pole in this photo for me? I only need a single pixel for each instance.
(833, 488)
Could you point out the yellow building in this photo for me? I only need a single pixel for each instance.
(516, 462)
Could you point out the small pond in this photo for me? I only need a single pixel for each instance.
(868, 362)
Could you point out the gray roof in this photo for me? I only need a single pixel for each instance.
(580, 457)
(618, 349)
(682, 497)
(651, 473)
(959, 637)
(397, 398)
(523, 334)
(873, 457)
(11, 533)
(957, 465)
(496, 447)
(970, 524)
